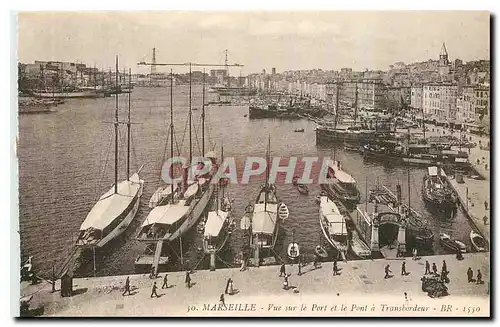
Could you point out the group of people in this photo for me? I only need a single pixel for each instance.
(470, 276)
(444, 271)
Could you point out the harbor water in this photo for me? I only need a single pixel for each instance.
(66, 162)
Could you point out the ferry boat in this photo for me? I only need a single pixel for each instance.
(115, 209)
(333, 225)
(342, 186)
(436, 191)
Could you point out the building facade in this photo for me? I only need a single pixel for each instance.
(440, 101)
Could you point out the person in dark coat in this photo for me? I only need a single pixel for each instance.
(444, 269)
(165, 282)
(300, 266)
(479, 277)
(470, 275)
(153, 290)
(403, 269)
(282, 270)
(434, 268)
(285, 282)
(459, 255)
(427, 267)
(221, 300)
(335, 268)
(188, 279)
(227, 286)
(387, 271)
(127, 286)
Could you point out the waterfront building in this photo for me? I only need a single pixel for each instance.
(466, 105)
(440, 101)
(482, 104)
(416, 97)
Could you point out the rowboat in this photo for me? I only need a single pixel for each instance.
(320, 251)
(303, 189)
(478, 242)
(293, 250)
(453, 245)
(283, 212)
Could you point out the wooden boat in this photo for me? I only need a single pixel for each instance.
(478, 242)
(333, 225)
(218, 226)
(320, 251)
(450, 244)
(303, 189)
(299, 130)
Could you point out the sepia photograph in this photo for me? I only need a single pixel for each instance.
(298, 163)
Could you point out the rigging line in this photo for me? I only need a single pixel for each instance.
(184, 134)
(132, 145)
(97, 193)
(164, 154)
(196, 137)
(199, 261)
(228, 265)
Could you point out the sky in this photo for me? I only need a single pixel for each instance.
(259, 40)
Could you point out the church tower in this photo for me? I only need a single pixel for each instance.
(443, 57)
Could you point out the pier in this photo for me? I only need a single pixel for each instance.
(358, 282)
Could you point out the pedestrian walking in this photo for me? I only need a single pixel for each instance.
(227, 286)
(282, 270)
(427, 268)
(300, 267)
(127, 286)
(335, 268)
(444, 268)
(165, 282)
(152, 274)
(434, 268)
(459, 255)
(485, 220)
(485, 205)
(387, 271)
(188, 279)
(222, 301)
(153, 290)
(403, 269)
(415, 253)
(479, 277)
(285, 283)
(231, 288)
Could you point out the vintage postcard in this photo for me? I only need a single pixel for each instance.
(281, 163)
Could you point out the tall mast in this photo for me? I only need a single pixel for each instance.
(267, 172)
(190, 120)
(116, 131)
(409, 207)
(222, 162)
(203, 117)
(172, 124)
(336, 104)
(227, 69)
(128, 125)
(355, 103)
(423, 121)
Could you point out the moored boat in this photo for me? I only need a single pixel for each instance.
(320, 251)
(478, 242)
(435, 189)
(451, 244)
(114, 211)
(303, 189)
(293, 250)
(218, 226)
(342, 186)
(333, 225)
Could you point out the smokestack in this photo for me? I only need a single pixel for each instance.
(398, 193)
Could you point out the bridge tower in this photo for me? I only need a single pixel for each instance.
(402, 230)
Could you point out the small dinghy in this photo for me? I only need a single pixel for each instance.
(320, 251)
(293, 251)
(299, 130)
(283, 212)
(478, 242)
(303, 189)
(453, 245)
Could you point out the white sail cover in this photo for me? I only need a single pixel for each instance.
(111, 205)
(264, 222)
(167, 214)
(214, 223)
(191, 191)
(336, 221)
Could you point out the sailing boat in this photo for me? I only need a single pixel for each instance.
(115, 209)
(176, 213)
(219, 223)
(293, 250)
(264, 218)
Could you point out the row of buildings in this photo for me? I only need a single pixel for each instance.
(440, 89)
